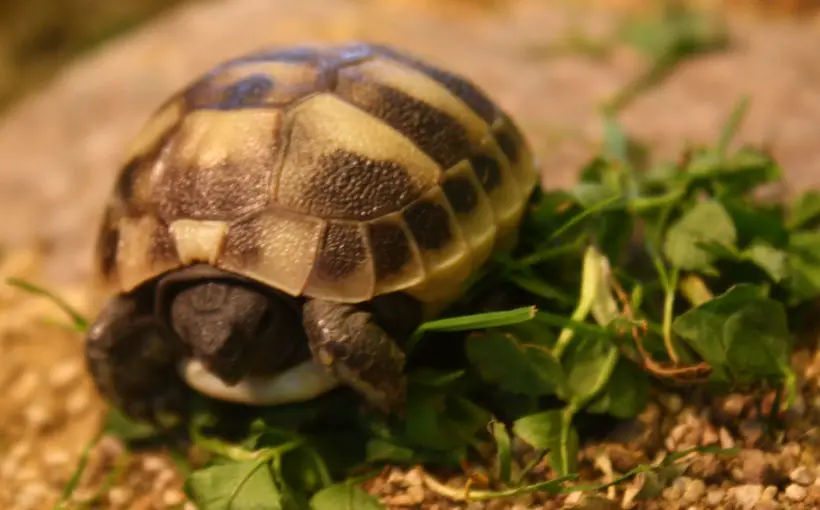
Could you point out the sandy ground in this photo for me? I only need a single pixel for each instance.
(59, 148)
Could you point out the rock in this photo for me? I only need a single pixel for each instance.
(726, 439)
(64, 374)
(672, 402)
(694, 491)
(769, 494)
(751, 431)
(803, 476)
(795, 492)
(755, 468)
(714, 497)
(746, 496)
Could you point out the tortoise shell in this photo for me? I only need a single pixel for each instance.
(338, 172)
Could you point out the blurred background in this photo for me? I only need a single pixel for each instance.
(79, 78)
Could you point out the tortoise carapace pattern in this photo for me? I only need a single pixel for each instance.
(291, 215)
(337, 172)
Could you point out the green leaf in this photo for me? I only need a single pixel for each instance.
(804, 266)
(707, 221)
(626, 394)
(769, 259)
(741, 333)
(504, 452)
(588, 363)
(805, 210)
(442, 422)
(434, 378)
(732, 125)
(551, 431)
(381, 450)
(344, 496)
(119, 425)
(519, 368)
(758, 341)
(234, 486)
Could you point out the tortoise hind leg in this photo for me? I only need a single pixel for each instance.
(133, 361)
(357, 351)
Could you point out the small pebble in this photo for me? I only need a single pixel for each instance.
(672, 402)
(726, 439)
(64, 374)
(733, 405)
(119, 496)
(694, 491)
(56, 458)
(31, 495)
(715, 496)
(802, 476)
(173, 497)
(413, 478)
(23, 387)
(769, 494)
(710, 436)
(77, 402)
(673, 493)
(795, 492)
(153, 464)
(752, 432)
(747, 496)
(574, 498)
(38, 416)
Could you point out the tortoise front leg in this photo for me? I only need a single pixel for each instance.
(133, 361)
(357, 351)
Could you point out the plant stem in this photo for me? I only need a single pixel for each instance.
(668, 306)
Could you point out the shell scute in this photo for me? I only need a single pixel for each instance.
(342, 163)
(220, 166)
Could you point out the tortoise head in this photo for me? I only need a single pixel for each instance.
(234, 327)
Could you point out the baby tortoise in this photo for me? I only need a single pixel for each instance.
(282, 225)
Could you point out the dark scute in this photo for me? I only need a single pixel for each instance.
(107, 241)
(508, 145)
(458, 85)
(460, 193)
(341, 253)
(247, 92)
(222, 192)
(429, 223)
(391, 249)
(430, 129)
(162, 246)
(241, 245)
(351, 186)
(487, 170)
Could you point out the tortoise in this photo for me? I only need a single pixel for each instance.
(283, 223)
